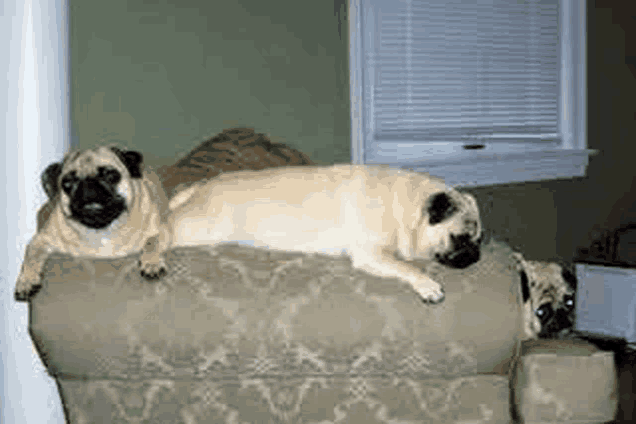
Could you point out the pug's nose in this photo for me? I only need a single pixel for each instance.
(93, 207)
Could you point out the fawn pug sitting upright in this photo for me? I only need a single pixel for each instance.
(382, 217)
(103, 205)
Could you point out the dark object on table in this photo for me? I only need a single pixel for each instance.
(616, 248)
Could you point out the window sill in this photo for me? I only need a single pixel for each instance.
(483, 168)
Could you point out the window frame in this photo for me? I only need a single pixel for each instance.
(495, 163)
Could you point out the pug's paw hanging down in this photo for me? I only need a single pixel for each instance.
(383, 218)
(104, 206)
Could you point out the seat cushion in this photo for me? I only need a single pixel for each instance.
(309, 400)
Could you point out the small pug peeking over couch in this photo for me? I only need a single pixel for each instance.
(383, 218)
(548, 291)
(103, 205)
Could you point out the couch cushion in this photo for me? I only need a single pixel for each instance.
(564, 381)
(310, 400)
(234, 311)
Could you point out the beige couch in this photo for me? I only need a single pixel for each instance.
(243, 335)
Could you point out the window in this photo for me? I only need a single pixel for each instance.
(475, 91)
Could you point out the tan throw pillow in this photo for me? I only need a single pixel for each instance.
(232, 150)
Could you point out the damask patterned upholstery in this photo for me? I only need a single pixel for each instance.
(243, 335)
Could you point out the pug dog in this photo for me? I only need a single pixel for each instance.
(383, 218)
(101, 205)
(548, 291)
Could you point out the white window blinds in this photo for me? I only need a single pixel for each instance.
(461, 70)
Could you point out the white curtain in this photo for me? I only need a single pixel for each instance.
(34, 123)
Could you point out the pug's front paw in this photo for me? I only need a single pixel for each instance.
(429, 291)
(27, 286)
(152, 267)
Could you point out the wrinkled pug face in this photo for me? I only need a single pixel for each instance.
(548, 291)
(450, 229)
(95, 186)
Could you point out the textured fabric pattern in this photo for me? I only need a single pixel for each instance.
(559, 381)
(237, 334)
(311, 400)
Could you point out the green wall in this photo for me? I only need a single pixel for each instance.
(160, 76)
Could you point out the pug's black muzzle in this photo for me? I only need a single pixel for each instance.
(554, 323)
(96, 204)
(464, 253)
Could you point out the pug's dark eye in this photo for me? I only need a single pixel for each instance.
(569, 301)
(68, 182)
(109, 175)
(543, 312)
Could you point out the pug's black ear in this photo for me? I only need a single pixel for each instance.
(525, 286)
(49, 179)
(567, 273)
(131, 159)
(440, 207)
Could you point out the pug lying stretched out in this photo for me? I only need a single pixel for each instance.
(382, 217)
